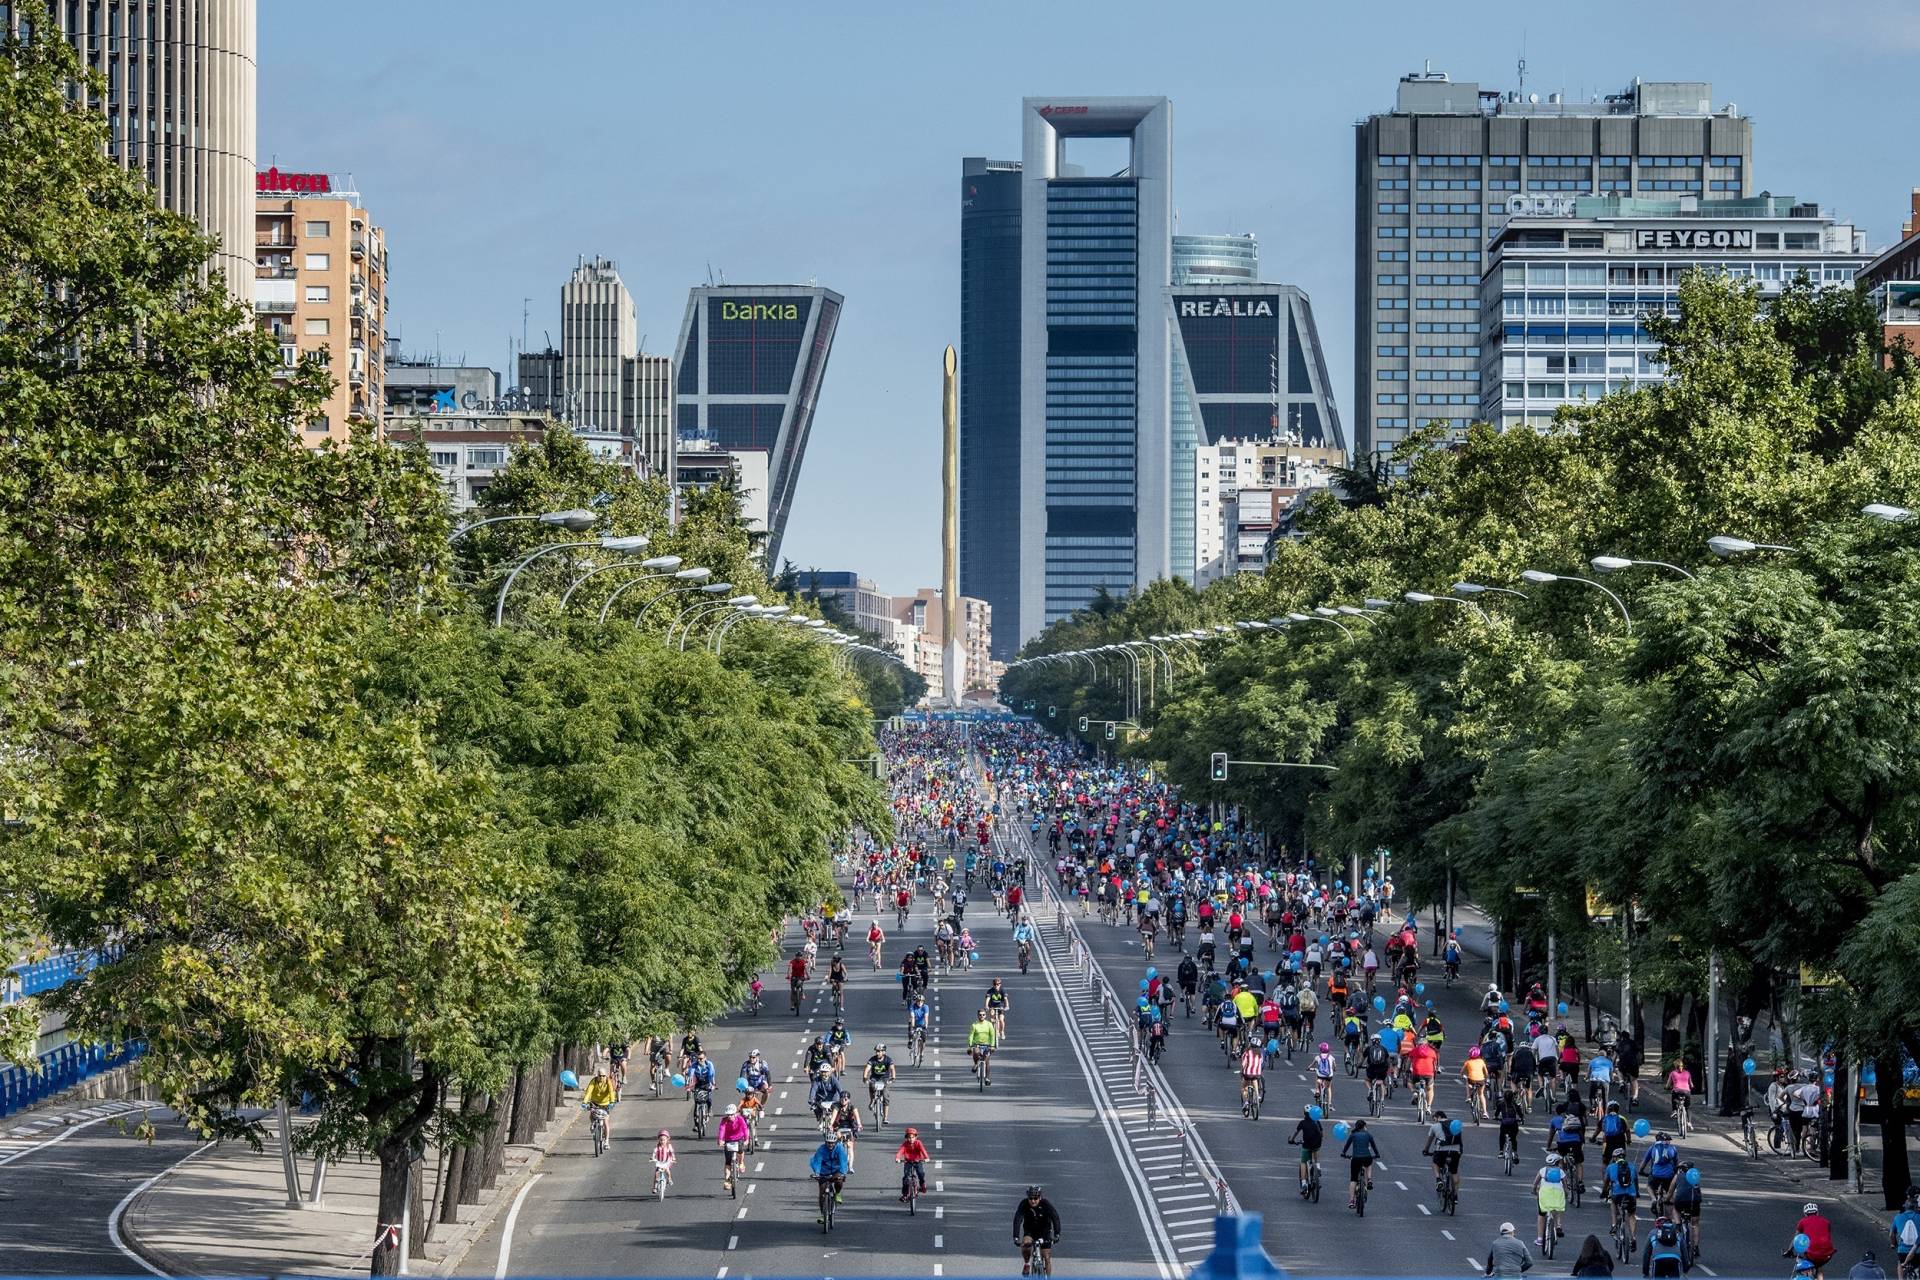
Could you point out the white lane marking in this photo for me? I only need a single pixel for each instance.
(1399, 1184)
(1424, 1211)
(939, 1211)
(506, 1232)
(939, 1242)
(1475, 1264)
(751, 1186)
(56, 1140)
(1448, 1234)
(1709, 1270)
(741, 1214)
(119, 1210)
(1195, 1195)
(939, 1270)
(733, 1242)
(721, 1274)
(1192, 1235)
(783, 1095)
(939, 1185)
(759, 1166)
(1195, 1248)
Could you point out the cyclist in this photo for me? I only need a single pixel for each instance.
(1550, 1195)
(1247, 1005)
(1509, 1114)
(825, 1094)
(1023, 942)
(1188, 977)
(1473, 1073)
(1361, 1150)
(1614, 1134)
(917, 1014)
(837, 979)
(1904, 1232)
(599, 1097)
(1660, 1164)
(844, 1119)
(1309, 1010)
(1569, 1142)
(879, 1070)
(617, 1064)
(1665, 1254)
(1626, 1068)
(1252, 1086)
(817, 1056)
(1680, 1085)
(1444, 1145)
(912, 1154)
(1599, 1080)
(1379, 1068)
(982, 1038)
(1323, 1071)
(1451, 959)
(758, 1075)
(1036, 1225)
(1423, 1062)
(998, 1006)
(1307, 1135)
(797, 979)
(1686, 1205)
(732, 1134)
(837, 1040)
(1819, 1233)
(1623, 1195)
(664, 1156)
(700, 1075)
(689, 1049)
(829, 1166)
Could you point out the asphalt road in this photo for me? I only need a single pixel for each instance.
(1749, 1209)
(1039, 1123)
(58, 1194)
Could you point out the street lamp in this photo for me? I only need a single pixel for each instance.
(1723, 546)
(1480, 588)
(698, 612)
(574, 520)
(1542, 576)
(714, 589)
(1422, 597)
(634, 543)
(1375, 602)
(1314, 617)
(1886, 511)
(695, 574)
(655, 562)
(1613, 564)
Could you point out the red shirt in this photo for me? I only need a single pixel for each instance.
(1819, 1234)
(913, 1149)
(797, 968)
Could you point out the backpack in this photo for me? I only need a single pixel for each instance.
(1909, 1232)
(1613, 1126)
(1376, 1053)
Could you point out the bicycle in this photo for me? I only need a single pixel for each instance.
(910, 1191)
(1352, 1063)
(1510, 1153)
(1025, 954)
(702, 1109)
(877, 1102)
(658, 1077)
(1251, 1093)
(660, 1179)
(1311, 1191)
(597, 1122)
(827, 1197)
(1376, 1097)
(917, 1043)
(1553, 1218)
(1423, 1098)
(873, 953)
(735, 1157)
(1623, 1241)
(839, 997)
(795, 989)
(1749, 1136)
(753, 998)
(1360, 1189)
(1041, 1253)
(1449, 1192)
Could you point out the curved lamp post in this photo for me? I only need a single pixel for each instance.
(1723, 546)
(634, 543)
(695, 574)
(653, 562)
(1315, 617)
(707, 611)
(1480, 588)
(698, 607)
(574, 520)
(1886, 511)
(1614, 564)
(1422, 597)
(640, 617)
(1542, 576)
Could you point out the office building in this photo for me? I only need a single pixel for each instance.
(180, 105)
(647, 411)
(1095, 455)
(990, 390)
(427, 386)
(749, 366)
(1568, 278)
(320, 285)
(598, 335)
(923, 614)
(542, 383)
(1278, 471)
(1203, 260)
(870, 608)
(698, 467)
(1892, 282)
(1433, 177)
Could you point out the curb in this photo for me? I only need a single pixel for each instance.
(456, 1248)
(1821, 1189)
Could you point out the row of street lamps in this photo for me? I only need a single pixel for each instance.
(1461, 593)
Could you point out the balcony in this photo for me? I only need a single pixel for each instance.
(358, 309)
(356, 377)
(358, 246)
(357, 282)
(276, 306)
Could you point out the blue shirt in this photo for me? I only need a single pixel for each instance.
(830, 1161)
(1600, 1069)
(1661, 1160)
(1620, 1180)
(701, 1073)
(917, 1015)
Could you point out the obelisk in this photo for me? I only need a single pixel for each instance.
(951, 666)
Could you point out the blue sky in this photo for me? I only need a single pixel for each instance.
(782, 143)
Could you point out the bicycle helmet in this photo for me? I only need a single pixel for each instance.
(879, 1048)
(1553, 1160)
(1664, 1136)
(664, 1134)
(1325, 1047)
(1809, 1208)
(1613, 1108)
(733, 1108)
(912, 1132)
(1033, 1192)
(1474, 1052)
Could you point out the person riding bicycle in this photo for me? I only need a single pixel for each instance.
(1361, 1150)
(829, 1167)
(1432, 1032)
(1490, 1002)
(1569, 1140)
(1450, 958)
(817, 1056)
(1904, 1232)
(981, 1040)
(1036, 1225)
(837, 975)
(599, 1096)
(1023, 936)
(1818, 1230)
(757, 1074)
(918, 1012)
(1661, 1164)
(1615, 1137)
(732, 1135)
(1252, 1066)
(1508, 1113)
(1445, 1146)
(825, 1092)
(1665, 1255)
(1307, 1135)
(1623, 1194)
(797, 970)
(664, 1156)
(1550, 1196)
(912, 1154)
(1424, 1062)
(1599, 1079)
(700, 1074)
(879, 1067)
(1324, 1068)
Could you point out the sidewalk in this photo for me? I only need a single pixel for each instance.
(224, 1211)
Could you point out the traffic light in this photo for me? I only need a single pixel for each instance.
(1083, 724)
(1051, 711)
(1109, 731)
(1219, 766)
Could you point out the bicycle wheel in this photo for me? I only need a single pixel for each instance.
(1553, 1232)
(1360, 1199)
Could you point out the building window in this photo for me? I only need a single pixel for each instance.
(318, 230)
(318, 424)
(318, 293)
(316, 326)
(318, 262)
(441, 459)
(486, 457)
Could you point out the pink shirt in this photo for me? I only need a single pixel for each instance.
(732, 1129)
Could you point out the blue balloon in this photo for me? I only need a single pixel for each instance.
(1323, 939)
(1317, 1114)
(1380, 1004)
(1273, 1046)
(1503, 1006)
(1143, 984)
(679, 1081)
(1693, 1177)
(1340, 1131)
(1429, 1004)
(741, 1084)
(1563, 1008)
(1152, 972)
(568, 1080)
(1641, 1127)
(1554, 1175)
(1749, 1066)
(1801, 1244)
(973, 955)
(1453, 1127)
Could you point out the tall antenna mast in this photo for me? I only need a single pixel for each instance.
(1523, 61)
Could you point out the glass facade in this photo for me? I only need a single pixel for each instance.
(1092, 301)
(753, 344)
(990, 394)
(1197, 260)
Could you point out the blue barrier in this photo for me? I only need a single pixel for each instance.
(40, 976)
(60, 1069)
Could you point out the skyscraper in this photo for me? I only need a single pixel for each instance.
(598, 335)
(179, 105)
(990, 391)
(1095, 455)
(1196, 260)
(749, 365)
(1432, 180)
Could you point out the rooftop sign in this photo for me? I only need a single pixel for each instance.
(273, 181)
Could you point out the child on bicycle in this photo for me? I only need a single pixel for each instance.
(663, 1154)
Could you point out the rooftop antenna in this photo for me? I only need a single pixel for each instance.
(1523, 60)
(524, 304)
(709, 275)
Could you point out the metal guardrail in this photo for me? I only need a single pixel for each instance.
(40, 976)
(59, 1070)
